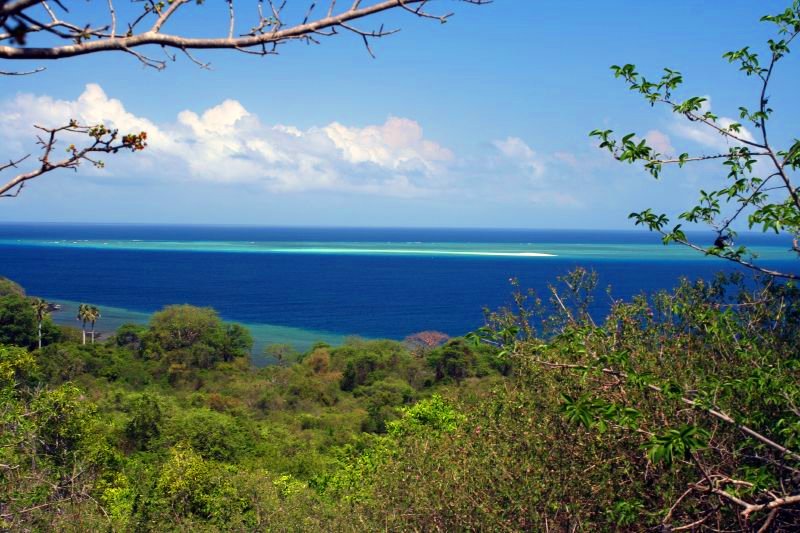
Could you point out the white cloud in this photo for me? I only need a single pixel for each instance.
(517, 151)
(20, 114)
(230, 144)
(396, 143)
(539, 178)
(226, 143)
(660, 142)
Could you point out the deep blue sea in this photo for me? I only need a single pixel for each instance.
(301, 284)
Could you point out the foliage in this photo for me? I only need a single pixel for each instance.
(9, 287)
(660, 416)
(189, 337)
(162, 438)
(421, 343)
(146, 419)
(759, 176)
(19, 323)
(677, 410)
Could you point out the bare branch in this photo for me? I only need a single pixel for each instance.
(420, 13)
(14, 164)
(24, 73)
(231, 14)
(13, 8)
(101, 140)
(154, 36)
(167, 14)
(157, 64)
(113, 14)
(204, 66)
(703, 158)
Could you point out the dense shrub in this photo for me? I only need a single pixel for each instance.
(660, 417)
(190, 337)
(9, 287)
(19, 325)
(543, 419)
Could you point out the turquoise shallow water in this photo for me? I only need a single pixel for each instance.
(263, 334)
(531, 251)
(301, 285)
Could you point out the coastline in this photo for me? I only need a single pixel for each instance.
(263, 334)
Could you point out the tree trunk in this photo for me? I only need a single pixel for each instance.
(92, 333)
(83, 331)
(40, 334)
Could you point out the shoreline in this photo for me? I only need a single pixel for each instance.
(263, 334)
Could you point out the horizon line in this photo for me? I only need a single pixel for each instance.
(338, 227)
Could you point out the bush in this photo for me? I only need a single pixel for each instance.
(213, 435)
(19, 325)
(8, 287)
(191, 336)
(144, 425)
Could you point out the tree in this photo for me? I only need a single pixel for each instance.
(102, 140)
(423, 342)
(17, 321)
(93, 316)
(84, 315)
(760, 175)
(145, 423)
(42, 309)
(194, 337)
(130, 335)
(237, 342)
(695, 390)
(455, 360)
(282, 353)
(141, 27)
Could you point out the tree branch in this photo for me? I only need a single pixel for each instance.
(102, 140)
(256, 38)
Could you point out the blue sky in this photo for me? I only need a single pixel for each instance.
(481, 122)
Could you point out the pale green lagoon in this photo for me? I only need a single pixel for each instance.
(541, 251)
(263, 334)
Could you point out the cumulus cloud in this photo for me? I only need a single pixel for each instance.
(517, 151)
(539, 178)
(20, 113)
(227, 143)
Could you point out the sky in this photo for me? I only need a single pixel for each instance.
(479, 122)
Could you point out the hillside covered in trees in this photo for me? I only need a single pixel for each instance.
(679, 409)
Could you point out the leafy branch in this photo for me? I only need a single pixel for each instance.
(770, 199)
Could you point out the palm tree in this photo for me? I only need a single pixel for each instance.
(83, 315)
(42, 309)
(94, 316)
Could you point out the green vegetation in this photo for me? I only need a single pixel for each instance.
(679, 411)
(170, 426)
(679, 408)
(758, 188)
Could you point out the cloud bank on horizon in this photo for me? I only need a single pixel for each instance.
(228, 144)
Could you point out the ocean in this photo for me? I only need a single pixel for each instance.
(300, 285)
